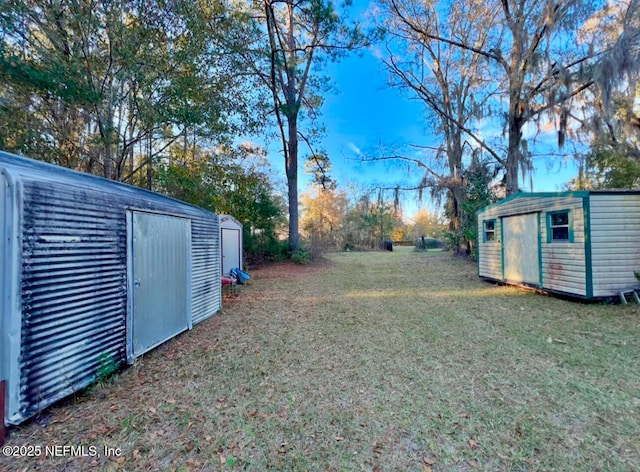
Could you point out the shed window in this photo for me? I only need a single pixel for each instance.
(559, 226)
(489, 230)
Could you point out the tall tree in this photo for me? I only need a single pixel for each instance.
(617, 29)
(609, 116)
(103, 80)
(613, 159)
(452, 82)
(537, 59)
(323, 213)
(300, 37)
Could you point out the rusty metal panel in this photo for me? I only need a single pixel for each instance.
(161, 292)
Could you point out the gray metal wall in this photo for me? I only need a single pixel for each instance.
(206, 297)
(73, 290)
(69, 270)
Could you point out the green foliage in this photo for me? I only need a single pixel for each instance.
(368, 222)
(228, 180)
(106, 86)
(610, 165)
(262, 247)
(107, 367)
(302, 256)
(477, 194)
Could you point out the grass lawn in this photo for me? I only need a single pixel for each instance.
(374, 361)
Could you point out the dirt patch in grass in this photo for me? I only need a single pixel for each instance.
(373, 361)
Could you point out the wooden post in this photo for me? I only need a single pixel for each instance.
(3, 391)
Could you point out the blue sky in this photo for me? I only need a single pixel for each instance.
(365, 114)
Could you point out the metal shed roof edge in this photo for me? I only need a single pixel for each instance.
(566, 193)
(224, 218)
(20, 167)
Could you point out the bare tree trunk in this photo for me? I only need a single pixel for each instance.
(149, 165)
(292, 184)
(291, 98)
(514, 150)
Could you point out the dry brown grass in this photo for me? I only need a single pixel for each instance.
(373, 361)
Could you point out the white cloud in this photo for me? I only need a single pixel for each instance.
(355, 149)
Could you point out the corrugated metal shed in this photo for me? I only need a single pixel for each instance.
(67, 281)
(584, 243)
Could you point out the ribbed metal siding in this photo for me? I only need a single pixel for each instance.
(73, 290)
(205, 267)
(66, 271)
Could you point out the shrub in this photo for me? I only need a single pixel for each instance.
(301, 256)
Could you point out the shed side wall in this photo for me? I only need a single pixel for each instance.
(206, 293)
(73, 290)
(229, 222)
(615, 242)
(74, 283)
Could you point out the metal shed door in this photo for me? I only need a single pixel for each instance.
(230, 249)
(521, 251)
(161, 250)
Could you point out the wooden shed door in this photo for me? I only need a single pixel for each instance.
(161, 294)
(521, 251)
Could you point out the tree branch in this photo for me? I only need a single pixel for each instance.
(488, 54)
(412, 82)
(413, 160)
